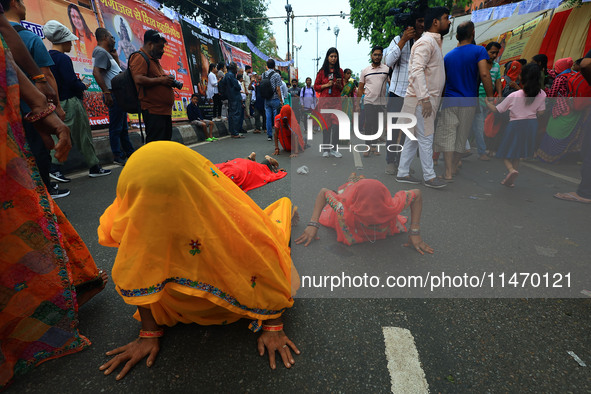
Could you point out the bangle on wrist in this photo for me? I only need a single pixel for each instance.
(273, 328)
(151, 334)
(38, 77)
(40, 81)
(314, 224)
(31, 118)
(106, 92)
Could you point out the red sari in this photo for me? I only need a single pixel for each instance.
(363, 210)
(248, 174)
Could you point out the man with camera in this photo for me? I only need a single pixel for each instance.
(154, 87)
(397, 57)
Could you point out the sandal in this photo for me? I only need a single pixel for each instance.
(572, 196)
(238, 136)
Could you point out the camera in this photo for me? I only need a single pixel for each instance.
(406, 14)
(177, 84)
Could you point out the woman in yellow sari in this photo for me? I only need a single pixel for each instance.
(194, 248)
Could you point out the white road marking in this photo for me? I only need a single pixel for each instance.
(552, 173)
(357, 160)
(577, 358)
(406, 373)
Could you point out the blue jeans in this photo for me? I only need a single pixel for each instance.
(478, 130)
(271, 110)
(584, 189)
(119, 132)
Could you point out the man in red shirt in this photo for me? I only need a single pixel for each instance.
(154, 87)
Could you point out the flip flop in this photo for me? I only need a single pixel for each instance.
(572, 197)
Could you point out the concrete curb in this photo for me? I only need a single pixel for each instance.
(184, 133)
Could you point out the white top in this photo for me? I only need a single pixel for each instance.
(212, 85)
(398, 59)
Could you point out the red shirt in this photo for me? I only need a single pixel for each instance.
(322, 79)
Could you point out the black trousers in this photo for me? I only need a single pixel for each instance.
(394, 105)
(39, 151)
(331, 136)
(158, 127)
(217, 105)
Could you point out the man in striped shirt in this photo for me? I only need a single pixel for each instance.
(397, 58)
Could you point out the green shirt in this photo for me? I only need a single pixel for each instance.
(495, 73)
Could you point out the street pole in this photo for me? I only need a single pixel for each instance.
(317, 58)
(288, 10)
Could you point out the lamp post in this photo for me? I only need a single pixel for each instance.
(319, 21)
(297, 49)
(337, 30)
(289, 11)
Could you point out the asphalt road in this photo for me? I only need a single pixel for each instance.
(516, 340)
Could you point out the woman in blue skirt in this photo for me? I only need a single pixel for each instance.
(524, 106)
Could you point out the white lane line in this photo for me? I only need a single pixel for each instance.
(357, 160)
(551, 173)
(406, 373)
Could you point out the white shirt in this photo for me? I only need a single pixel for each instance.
(398, 59)
(284, 91)
(212, 85)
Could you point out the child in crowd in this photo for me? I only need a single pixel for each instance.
(524, 106)
(196, 117)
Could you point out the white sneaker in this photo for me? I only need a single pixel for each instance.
(325, 154)
(336, 153)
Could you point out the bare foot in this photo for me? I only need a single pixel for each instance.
(572, 196)
(295, 217)
(252, 156)
(86, 291)
(272, 161)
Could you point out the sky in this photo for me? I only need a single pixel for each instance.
(353, 55)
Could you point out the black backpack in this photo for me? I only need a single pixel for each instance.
(222, 88)
(266, 87)
(124, 90)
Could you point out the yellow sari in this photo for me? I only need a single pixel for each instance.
(193, 247)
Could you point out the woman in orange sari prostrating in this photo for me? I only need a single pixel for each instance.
(194, 248)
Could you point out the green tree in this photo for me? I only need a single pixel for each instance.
(369, 17)
(246, 17)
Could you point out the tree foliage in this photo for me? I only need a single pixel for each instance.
(245, 17)
(370, 20)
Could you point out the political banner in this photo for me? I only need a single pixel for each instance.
(235, 54)
(202, 50)
(83, 23)
(520, 36)
(127, 20)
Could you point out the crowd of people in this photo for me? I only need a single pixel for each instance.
(454, 96)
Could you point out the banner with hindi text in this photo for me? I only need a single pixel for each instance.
(202, 50)
(83, 23)
(127, 20)
(236, 55)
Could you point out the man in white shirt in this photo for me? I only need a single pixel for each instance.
(425, 86)
(397, 56)
(372, 85)
(247, 73)
(212, 91)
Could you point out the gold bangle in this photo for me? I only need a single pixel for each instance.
(40, 76)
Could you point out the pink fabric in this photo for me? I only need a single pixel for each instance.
(364, 210)
(517, 105)
(563, 64)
